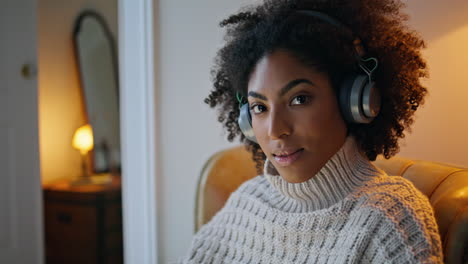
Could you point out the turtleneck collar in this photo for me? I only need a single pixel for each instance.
(341, 175)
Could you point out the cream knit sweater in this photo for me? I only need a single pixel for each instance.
(349, 212)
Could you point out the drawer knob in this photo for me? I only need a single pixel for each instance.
(64, 218)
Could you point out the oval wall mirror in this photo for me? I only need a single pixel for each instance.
(97, 64)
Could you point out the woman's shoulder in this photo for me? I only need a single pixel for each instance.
(404, 213)
(392, 194)
(396, 198)
(253, 187)
(395, 189)
(253, 183)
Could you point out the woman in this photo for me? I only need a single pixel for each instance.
(316, 90)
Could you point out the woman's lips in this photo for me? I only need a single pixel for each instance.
(289, 159)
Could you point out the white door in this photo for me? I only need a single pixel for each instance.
(21, 237)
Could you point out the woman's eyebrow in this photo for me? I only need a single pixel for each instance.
(283, 90)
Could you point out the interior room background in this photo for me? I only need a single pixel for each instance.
(60, 99)
(188, 39)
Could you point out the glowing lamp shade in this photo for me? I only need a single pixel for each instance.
(83, 139)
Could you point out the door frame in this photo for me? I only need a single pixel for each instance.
(139, 128)
(22, 228)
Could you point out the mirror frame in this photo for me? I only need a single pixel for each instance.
(114, 62)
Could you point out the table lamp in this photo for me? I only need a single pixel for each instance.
(83, 141)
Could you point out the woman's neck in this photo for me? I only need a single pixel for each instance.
(342, 174)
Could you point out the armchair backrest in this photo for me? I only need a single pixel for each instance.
(446, 186)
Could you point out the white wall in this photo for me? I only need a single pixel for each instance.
(60, 104)
(189, 38)
(440, 132)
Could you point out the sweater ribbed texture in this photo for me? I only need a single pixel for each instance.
(349, 212)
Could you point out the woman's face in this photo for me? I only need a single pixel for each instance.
(295, 116)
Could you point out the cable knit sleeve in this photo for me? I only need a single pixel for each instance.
(405, 230)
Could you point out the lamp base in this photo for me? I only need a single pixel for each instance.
(97, 179)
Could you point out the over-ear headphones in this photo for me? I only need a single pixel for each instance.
(358, 97)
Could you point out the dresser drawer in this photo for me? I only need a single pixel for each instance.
(83, 224)
(74, 223)
(113, 217)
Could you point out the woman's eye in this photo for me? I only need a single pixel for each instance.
(300, 99)
(257, 109)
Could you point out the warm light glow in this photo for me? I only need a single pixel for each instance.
(83, 139)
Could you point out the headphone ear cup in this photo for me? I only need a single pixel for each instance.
(371, 100)
(245, 123)
(344, 99)
(359, 100)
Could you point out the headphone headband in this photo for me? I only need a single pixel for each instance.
(359, 49)
(358, 97)
(327, 18)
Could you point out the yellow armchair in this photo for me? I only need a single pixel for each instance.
(446, 187)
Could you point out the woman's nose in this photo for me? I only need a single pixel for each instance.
(279, 125)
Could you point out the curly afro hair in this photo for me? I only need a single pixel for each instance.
(257, 31)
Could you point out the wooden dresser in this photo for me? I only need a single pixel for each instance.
(83, 224)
